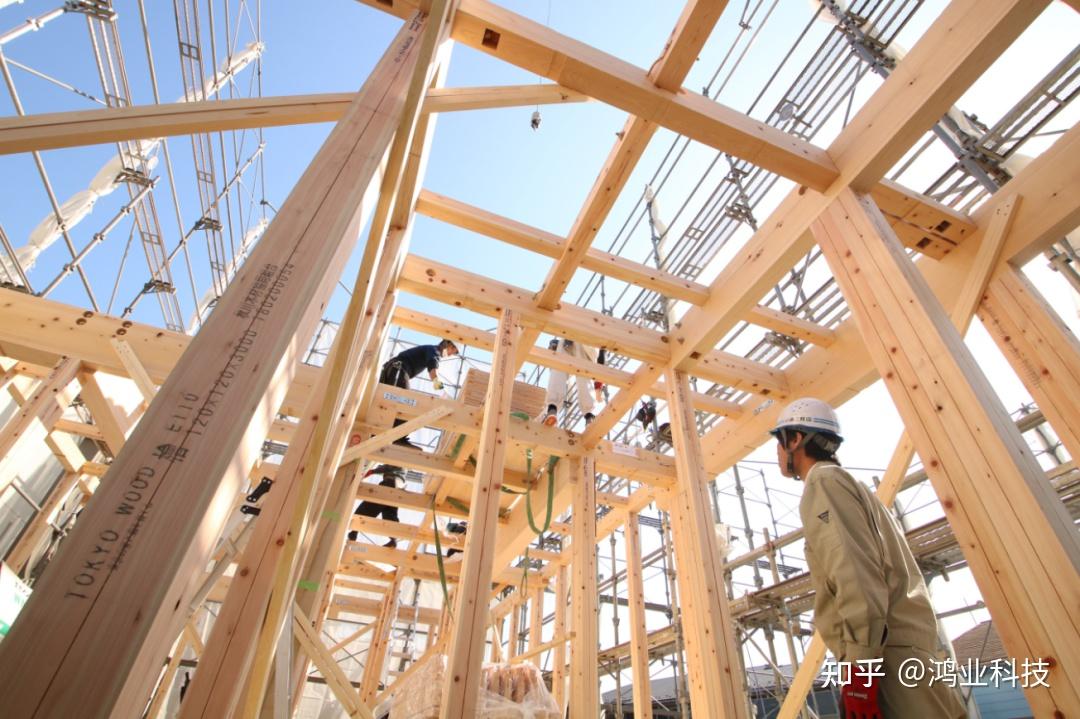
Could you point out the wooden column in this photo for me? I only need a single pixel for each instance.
(963, 308)
(380, 640)
(714, 664)
(584, 674)
(639, 640)
(558, 661)
(1043, 352)
(466, 648)
(1020, 543)
(109, 417)
(514, 646)
(536, 619)
(168, 494)
(43, 407)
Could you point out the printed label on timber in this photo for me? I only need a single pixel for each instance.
(399, 399)
(187, 422)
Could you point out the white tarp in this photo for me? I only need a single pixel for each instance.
(81, 204)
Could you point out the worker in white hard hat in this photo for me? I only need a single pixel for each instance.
(871, 601)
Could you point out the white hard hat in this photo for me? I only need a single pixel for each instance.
(808, 415)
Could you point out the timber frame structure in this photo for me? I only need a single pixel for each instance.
(112, 619)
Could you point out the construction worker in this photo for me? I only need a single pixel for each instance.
(391, 476)
(400, 369)
(871, 602)
(409, 363)
(557, 387)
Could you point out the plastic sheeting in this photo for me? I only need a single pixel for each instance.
(76, 208)
(508, 691)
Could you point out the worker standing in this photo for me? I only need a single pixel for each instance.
(557, 387)
(871, 602)
(409, 363)
(391, 476)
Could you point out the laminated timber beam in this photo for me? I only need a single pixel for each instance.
(260, 601)
(639, 639)
(460, 288)
(465, 649)
(55, 130)
(1017, 537)
(584, 672)
(413, 320)
(197, 441)
(961, 44)
(545, 243)
(713, 655)
(655, 97)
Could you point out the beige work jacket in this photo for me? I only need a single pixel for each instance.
(869, 591)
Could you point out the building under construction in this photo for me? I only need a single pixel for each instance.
(183, 443)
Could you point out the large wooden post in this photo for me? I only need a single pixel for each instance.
(584, 674)
(90, 640)
(639, 640)
(1043, 352)
(466, 648)
(715, 667)
(1020, 543)
(558, 669)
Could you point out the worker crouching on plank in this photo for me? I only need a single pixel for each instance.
(871, 602)
(407, 364)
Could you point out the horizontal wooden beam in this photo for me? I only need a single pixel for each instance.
(455, 99)
(422, 322)
(531, 46)
(460, 288)
(55, 130)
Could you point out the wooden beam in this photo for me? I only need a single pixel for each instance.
(1050, 187)
(1042, 350)
(713, 655)
(952, 54)
(54, 130)
(50, 131)
(135, 369)
(465, 650)
(380, 639)
(464, 334)
(639, 640)
(938, 70)
(558, 659)
(42, 408)
(110, 417)
(536, 621)
(1019, 541)
(454, 99)
(584, 673)
(198, 440)
(260, 603)
(469, 217)
(892, 482)
(379, 441)
(538, 49)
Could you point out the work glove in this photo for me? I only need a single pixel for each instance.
(437, 384)
(598, 389)
(860, 698)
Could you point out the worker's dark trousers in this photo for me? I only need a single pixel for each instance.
(374, 509)
(393, 373)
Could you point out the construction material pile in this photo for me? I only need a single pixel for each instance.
(508, 691)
